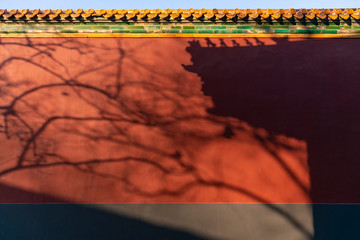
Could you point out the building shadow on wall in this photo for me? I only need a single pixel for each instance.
(306, 89)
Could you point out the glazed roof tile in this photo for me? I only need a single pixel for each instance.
(178, 14)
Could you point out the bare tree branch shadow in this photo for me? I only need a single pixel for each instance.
(90, 115)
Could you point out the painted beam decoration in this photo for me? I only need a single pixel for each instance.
(181, 22)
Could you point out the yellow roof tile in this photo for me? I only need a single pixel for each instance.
(180, 14)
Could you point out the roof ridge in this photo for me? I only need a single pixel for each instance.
(180, 14)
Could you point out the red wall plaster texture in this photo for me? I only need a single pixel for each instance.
(127, 120)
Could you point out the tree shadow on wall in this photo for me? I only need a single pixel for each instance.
(93, 108)
(306, 89)
(83, 119)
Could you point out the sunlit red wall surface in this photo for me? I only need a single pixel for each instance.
(179, 120)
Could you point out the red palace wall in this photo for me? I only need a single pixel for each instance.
(249, 120)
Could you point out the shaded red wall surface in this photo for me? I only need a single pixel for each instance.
(180, 120)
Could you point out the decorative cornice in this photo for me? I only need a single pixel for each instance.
(179, 14)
